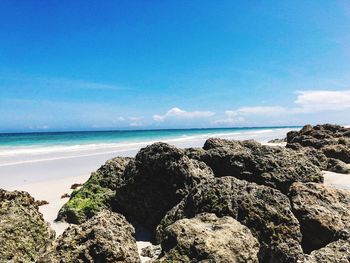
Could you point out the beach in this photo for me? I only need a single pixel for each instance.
(48, 172)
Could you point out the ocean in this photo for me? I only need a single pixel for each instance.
(34, 157)
(47, 139)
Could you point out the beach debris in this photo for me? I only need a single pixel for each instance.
(75, 186)
(96, 194)
(24, 234)
(157, 180)
(210, 238)
(41, 202)
(323, 213)
(107, 237)
(333, 141)
(65, 195)
(265, 211)
(276, 167)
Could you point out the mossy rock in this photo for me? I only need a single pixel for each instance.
(24, 234)
(96, 194)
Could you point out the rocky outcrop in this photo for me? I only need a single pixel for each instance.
(264, 210)
(207, 238)
(335, 252)
(331, 140)
(107, 238)
(96, 194)
(278, 140)
(323, 213)
(158, 179)
(276, 167)
(24, 234)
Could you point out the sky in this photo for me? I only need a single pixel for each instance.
(151, 64)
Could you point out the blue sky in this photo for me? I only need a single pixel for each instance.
(82, 65)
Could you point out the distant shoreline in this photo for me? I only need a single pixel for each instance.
(23, 165)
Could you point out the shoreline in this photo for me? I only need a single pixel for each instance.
(29, 167)
(48, 179)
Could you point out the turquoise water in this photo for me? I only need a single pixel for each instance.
(95, 137)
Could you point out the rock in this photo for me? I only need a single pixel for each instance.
(107, 238)
(276, 167)
(264, 210)
(337, 166)
(41, 202)
(96, 194)
(158, 179)
(24, 234)
(335, 252)
(323, 213)
(151, 252)
(332, 140)
(207, 238)
(317, 157)
(65, 195)
(278, 140)
(75, 186)
(340, 152)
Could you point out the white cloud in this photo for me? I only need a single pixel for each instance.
(322, 100)
(238, 116)
(309, 101)
(135, 118)
(120, 119)
(182, 114)
(257, 110)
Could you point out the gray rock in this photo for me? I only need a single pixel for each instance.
(207, 238)
(105, 238)
(335, 252)
(24, 234)
(158, 179)
(151, 252)
(332, 140)
(264, 210)
(276, 167)
(323, 213)
(96, 194)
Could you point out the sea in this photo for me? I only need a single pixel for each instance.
(84, 138)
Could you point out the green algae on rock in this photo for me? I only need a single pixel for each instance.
(96, 194)
(24, 234)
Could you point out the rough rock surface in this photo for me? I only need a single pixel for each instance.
(24, 234)
(207, 238)
(278, 140)
(335, 252)
(331, 140)
(96, 194)
(152, 252)
(323, 213)
(105, 238)
(264, 210)
(158, 179)
(276, 167)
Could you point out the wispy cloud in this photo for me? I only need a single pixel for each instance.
(306, 102)
(182, 114)
(322, 100)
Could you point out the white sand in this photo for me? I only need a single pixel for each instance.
(340, 181)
